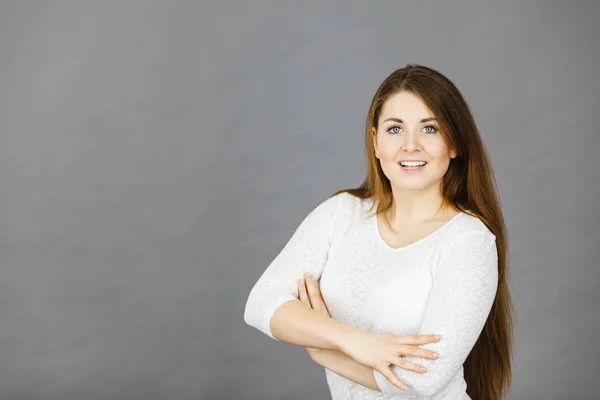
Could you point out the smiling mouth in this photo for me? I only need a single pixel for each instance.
(411, 168)
(412, 164)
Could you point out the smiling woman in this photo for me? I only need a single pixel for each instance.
(418, 250)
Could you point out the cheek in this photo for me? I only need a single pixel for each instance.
(388, 148)
(385, 154)
(442, 159)
(438, 150)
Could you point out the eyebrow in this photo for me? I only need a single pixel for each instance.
(400, 121)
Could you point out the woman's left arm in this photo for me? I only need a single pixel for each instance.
(460, 301)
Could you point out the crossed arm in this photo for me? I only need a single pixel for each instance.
(343, 364)
(459, 303)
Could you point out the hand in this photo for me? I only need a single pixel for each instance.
(309, 293)
(379, 351)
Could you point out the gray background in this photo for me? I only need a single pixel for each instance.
(157, 155)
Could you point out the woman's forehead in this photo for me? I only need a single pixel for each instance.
(406, 106)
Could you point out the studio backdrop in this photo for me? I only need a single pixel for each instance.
(155, 156)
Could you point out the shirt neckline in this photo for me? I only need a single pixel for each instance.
(375, 227)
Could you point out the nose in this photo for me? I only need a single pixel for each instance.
(410, 142)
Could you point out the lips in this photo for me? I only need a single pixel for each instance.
(409, 169)
(412, 162)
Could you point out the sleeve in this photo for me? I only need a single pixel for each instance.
(306, 251)
(461, 298)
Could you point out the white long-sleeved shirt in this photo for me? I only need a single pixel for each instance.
(444, 283)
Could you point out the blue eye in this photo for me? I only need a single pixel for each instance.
(433, 127)
(393, 127)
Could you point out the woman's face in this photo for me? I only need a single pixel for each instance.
(408, 131)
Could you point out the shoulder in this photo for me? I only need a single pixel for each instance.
(342, 211)
(468, 225)
(469, 246)
(335, 209)
(343, 204)
(469, 235)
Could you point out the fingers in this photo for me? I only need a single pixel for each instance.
(402, 363)
(420, 339)
(416, 351)
(315, 296)
(390, 376)
(302, 294)
(409, 345)
(405, 348)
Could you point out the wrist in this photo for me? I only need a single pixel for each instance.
(345, 338)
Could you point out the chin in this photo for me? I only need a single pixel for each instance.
(414, 186)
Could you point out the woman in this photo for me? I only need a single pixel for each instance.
(373, 273)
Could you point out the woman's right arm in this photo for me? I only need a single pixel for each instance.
(272, 307)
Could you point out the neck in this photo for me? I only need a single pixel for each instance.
(417, 205)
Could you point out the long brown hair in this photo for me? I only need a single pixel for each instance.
(468, 185)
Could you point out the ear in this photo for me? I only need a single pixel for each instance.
(453, 153)
(374, 137)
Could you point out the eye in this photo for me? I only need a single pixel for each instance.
(394, 129)
(434, 129)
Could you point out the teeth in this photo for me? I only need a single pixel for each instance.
(412, 163)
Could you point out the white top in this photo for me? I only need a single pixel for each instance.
(444, 283)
